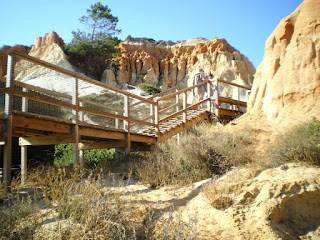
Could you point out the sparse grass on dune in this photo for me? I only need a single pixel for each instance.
(301, 143)
(199, 155)
(82, 206)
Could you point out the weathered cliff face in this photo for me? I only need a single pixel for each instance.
(287, 82)
(168, 64)
(50, 49)
(4, 59)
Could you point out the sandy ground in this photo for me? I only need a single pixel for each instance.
(279, 203)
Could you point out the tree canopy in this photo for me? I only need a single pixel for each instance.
(93, 50)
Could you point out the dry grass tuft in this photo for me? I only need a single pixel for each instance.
(222, 192)
(83, 208)
(199, 155)
(299, 144)
(171, 226)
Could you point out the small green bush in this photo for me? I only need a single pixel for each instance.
(151, 90)
(299, 144)
(63, 155)
(95, 156)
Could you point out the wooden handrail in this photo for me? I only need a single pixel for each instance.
(169, 107)
(232, 102)
(52, 97)
(156, 95)
(182, 91)
(43, 99)
(165, 92)
(234, 84)
(184, 110)
(100, 105)
(63, 95)
(42, 90)
(75, 75)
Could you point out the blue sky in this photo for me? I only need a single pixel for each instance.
(245, 24)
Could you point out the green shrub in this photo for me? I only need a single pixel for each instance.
(63, 155)
(299, 144)
(95, 156)
(151, 90)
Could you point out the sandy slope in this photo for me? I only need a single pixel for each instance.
(278, 203)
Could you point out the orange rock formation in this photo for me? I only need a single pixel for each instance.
(287, 83)
(168, 64)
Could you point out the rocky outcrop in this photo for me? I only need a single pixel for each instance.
(167, 64)
(287, 82)
(50, 49)
(3, 59)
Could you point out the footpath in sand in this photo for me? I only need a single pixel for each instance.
(278, 203)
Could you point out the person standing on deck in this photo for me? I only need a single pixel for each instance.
(214, 89)
(199, 91)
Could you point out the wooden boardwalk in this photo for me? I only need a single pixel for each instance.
(56, 109)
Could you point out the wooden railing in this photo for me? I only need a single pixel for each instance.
(109, 108)
(155, 110)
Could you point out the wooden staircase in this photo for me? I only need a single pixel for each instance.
(39, 115)
(176, 124)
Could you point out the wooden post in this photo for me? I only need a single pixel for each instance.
(24, 148)
(217, 99)
(116, 124)
(177, 101)
(239, 93)
(184, 94)
(177, 110)
(209, 96)
(126, 124)
(75, 120)
(157, 118)
(23, 164)
(81, 113)
(8, 115)
(152, 113)
(81, 157)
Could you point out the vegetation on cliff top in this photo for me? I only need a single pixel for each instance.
(94, 50)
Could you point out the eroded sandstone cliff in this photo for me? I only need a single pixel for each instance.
(287, 83)
(168, 64)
